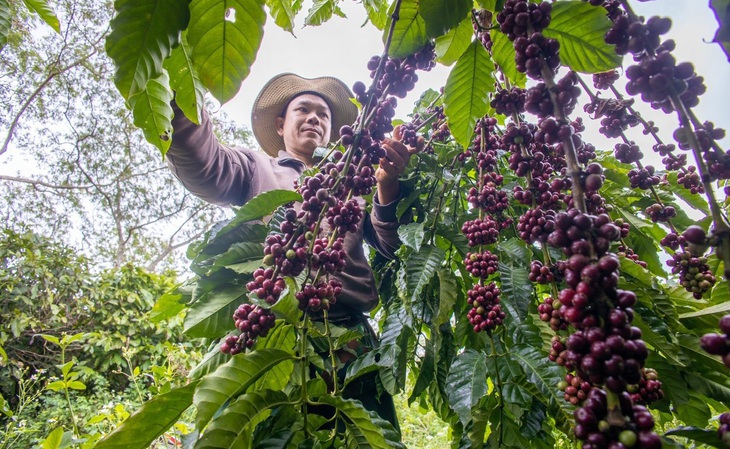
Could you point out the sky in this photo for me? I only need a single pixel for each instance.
(342, 47)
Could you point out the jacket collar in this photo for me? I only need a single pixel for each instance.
(286, 159)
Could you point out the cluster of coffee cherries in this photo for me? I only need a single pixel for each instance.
(518, 17)
(614, 114)
(319, 296)
(253, 322)
(509, 102)
(649, 388)
(485, 313)
(690, 264)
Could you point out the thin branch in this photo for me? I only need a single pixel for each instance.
(36, 183)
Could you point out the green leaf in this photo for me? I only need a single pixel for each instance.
(76, 385)
(142, 37)
(283, 338)
(503, 53)
(412, 235)
(240, 252)
(5, 22)
(371, 430)
(705, 436)
(51, 338)
(244, 232)
(467, 380)
(516, 289)
(721, 8)
(225, 37)
(282, 13)
(152, 112)
(3, 357)
(229, 429)
(377, 12)
(722, 308)
(580, 27)
(509, 373)
(53, 440)
(694, 412)
(320, 12)
(166, 306)
(233, 379)
(448, 293)
(184, 80)
(422, 267)
(287, 307)
(441, 16)
(211, 361)
(150, 421)
(45, 12)
(409, 34)
(212, 315)
(453, 44)
(382, 358)
(466, 92)
(260, 206)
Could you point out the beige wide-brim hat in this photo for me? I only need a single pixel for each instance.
(281, 89)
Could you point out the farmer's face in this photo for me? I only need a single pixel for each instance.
(306, 125)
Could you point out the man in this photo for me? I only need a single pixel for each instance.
(292, 117)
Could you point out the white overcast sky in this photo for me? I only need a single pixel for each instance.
(341, 48)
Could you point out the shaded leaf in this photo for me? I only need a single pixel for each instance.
(422, 267)
(441, 16)
(320, 12)
(225, 37)
(383, 358)
(412, 235)
(211, 361)
(721, 308)
(283, 338)
(503, 53)
(721, 8)
(45, 12)
(233, 379)
(467, 382)
(240, 252)
(448, 292)
(516, 289)
(142, 37)
(580, 27)
(426, 370)
(369, 430)
(452, 45)
(229, 429)
(152, 112)
(694, 412)
(184, 80)
(150, 421)
(705, 436)
(466, 92)
(409, 34)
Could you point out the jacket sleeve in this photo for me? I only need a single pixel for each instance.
(211, 171)
(381, 227)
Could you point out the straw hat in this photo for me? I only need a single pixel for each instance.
(281, 89)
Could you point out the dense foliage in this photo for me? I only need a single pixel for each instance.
(549, 290)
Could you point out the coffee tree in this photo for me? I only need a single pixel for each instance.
(548, 291)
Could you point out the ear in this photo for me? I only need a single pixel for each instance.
(279, 122)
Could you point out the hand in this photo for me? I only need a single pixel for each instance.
(397, 155)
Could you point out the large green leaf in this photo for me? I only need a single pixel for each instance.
(440, 16)
(152, 112)
(427, 368)
(143, 35)
(233, 379)
(283, 13)
(694, 412)
(370, 431)
(448, 293)
(320, 12)
(212, 315)
(412, 235)
(184, 80)
(705, 436)
(211, 361)
(5, 21)
(150, 421)
(516, 289)
(282, 337)
(452, 44)
(229, 430)
(409, 34)
(580, 27)
(422, 267)
(225, 37)
(240, 252)
(503, 53)
(722, 308)
(45, 12)
(467, 380)
(383, 358)
(506, 371)
(166, 307)
(466, 92)
(260, 206)
(244, 232)
(377, 12)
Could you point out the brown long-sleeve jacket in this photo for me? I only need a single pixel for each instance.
(232, 176)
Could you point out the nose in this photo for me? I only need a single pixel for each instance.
(312, 118)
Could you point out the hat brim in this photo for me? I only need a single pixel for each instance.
(281, 89)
